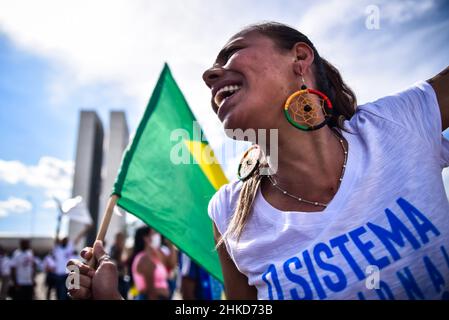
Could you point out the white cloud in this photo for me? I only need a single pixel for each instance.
(49, 204)
(320, 19)
(326, 18)
(52, 175)
(376, 62)
(124, 43)
(121, 45)
(404, 11)
(14, 205)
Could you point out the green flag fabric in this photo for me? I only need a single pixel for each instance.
(169, 173)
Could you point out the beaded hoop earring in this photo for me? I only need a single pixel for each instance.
(305, 110)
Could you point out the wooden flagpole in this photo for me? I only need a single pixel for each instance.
(104, 224)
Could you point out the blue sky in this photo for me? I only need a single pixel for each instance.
(60, 57)
(28, 132)
(24, 102)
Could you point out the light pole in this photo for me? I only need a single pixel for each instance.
(60, 213)
(30, 199)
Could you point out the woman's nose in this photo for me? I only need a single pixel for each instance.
(211, 75)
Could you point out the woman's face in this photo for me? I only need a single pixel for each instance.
(147, 238)
(250, 81)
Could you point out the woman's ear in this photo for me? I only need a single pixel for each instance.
(303, 58)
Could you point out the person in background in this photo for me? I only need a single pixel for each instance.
(49, 266)
(170, 254)
(195, 282)
(148, 272)
(5, 273)
(62, 253)
(23, 271)
(117, 256)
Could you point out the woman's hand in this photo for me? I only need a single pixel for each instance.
(99, 284)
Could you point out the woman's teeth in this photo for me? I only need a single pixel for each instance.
(225, 93)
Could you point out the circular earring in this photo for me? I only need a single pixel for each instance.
(303, 111)
(249, 163)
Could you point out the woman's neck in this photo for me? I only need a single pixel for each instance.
(309, 163)
(149, 250)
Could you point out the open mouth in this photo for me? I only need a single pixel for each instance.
(225, 93)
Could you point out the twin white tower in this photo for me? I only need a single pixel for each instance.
(95, 174)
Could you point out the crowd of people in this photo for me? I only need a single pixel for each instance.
(19, 270)
(152, 269)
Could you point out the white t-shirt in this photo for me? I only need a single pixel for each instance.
(49, 263)
(62, 256)
(5, 266)
(391, 211)
(23, 262)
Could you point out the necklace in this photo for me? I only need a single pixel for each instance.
(300, 199)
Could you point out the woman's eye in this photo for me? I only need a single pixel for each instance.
(231, 51)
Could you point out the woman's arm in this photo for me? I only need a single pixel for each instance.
(440, 84)
(170, 261)
(236, 283)
(146, 267)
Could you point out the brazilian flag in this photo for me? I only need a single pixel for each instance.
(169, 173)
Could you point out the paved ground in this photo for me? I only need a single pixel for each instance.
(40, 290)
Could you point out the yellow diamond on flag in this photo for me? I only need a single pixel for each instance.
(204, 156)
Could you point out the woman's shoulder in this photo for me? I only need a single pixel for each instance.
(405, 107)
(223, 202)
(225, 196)
(143, 260)
(409, 113)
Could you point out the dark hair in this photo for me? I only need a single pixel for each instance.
(139, 242)
(139, 246)
(328, 78)
(24, 244)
